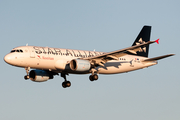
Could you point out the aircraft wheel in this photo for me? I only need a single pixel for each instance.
(91, 78)
(63, 85)
(95, 76)
(26, 77)
(66, 84)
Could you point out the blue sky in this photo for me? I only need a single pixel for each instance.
(104, 25)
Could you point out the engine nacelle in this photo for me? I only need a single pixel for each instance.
(40, 75)
(80, 65)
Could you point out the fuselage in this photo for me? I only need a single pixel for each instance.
(47, 62)
(57, 60)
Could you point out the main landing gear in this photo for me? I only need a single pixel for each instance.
(65, 83)
(93, 77)
(27, 71)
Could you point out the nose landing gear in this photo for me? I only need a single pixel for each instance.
(27, 71)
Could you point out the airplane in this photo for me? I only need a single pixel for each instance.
(46, 62)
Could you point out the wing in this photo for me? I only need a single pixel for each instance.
(102, 59)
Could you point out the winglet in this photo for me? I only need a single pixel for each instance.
(157, 41)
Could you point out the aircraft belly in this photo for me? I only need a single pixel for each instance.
(47, 64)
(32, 62)
(118, 67)
(38, 63)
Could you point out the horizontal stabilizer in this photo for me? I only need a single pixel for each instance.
(158, 58)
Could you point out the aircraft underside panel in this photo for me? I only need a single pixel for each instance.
(119, 67)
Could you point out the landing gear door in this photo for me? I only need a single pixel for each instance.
(32, 53)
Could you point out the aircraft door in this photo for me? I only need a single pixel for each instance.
(32, 53)
(36, 59)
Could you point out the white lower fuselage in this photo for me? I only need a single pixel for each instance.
(57, 60)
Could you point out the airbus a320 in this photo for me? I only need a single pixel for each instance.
(43, 63)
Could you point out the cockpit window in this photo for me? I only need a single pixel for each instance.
(18, 50)
(13, 51)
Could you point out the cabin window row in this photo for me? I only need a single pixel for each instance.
(122, 59)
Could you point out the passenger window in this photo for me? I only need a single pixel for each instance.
(17, 50)
(21, 51)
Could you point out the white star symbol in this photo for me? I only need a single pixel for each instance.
(143, 49)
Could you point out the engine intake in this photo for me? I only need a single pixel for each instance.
(40, 75)
(80, 65)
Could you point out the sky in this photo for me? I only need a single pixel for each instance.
(104, 25)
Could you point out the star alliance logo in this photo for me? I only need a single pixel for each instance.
(143, 49)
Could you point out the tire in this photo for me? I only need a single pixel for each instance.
(91, 78)
(64, 84)
(95, 77)
(68, 84)
(26, 77)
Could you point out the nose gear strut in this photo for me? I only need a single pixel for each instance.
(27, 71)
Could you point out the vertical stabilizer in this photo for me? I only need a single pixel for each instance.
(144, 36)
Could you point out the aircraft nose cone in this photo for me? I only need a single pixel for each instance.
(8, 59)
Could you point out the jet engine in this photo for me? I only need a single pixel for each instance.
(40, 75)
(80, 65)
